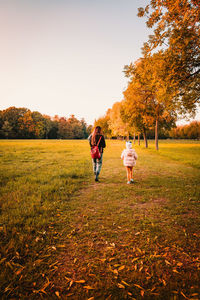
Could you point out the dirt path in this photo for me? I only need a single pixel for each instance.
(124, 240)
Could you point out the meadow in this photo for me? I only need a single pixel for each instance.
(64, 236)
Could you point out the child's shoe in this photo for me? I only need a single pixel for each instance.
(132, 181)
(128, 182)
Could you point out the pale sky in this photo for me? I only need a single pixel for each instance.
(67, 56)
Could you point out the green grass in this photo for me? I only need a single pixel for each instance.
(63, 235)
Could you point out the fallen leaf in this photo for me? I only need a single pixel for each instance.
(142, 293)
(57, 294)
(136, 258)
(19, 271)
(115, 271)
(175, 271)
(80, 281)
(164, 282)
(137, 285)
(184, 295)
(121, 286)
(2, 260)
(141, 268)
(112, 258)
(124, 282)
(121, 268)
(88, 287)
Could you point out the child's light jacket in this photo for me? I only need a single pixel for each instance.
(129, 157)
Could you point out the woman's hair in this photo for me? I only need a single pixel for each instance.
(97, 131)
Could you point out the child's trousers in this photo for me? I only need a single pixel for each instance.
(129, 172)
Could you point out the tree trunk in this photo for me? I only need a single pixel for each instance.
(145, 139)
(156, 134)
(139, 139)
(134, 138)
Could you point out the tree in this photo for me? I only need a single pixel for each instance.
(135, 111)
(7, 129)
(104, 122)
(26, 126)
(188, 131)
(148, 95)
(177, 28)
(116, 124)
(12, 115)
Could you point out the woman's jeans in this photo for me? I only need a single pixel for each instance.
(97, 164)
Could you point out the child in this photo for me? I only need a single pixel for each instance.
(129, 156)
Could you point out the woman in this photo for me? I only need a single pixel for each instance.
(96, 138)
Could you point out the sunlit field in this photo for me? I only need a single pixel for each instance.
(65, 236)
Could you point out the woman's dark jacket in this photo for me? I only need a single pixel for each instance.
(102, 143)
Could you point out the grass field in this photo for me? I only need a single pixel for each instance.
(65, 236)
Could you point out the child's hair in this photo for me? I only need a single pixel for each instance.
(97, 131)
(128, 145)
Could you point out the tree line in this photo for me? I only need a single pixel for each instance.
(165, 82)
(21, 123)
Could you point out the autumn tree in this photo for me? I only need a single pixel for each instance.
(103, 122)
(188, 131)
(10, 118)
(118, 126)
(22, 123)
(177, 30)
(135, 110)
(148, 95)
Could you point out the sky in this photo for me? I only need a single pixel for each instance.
(63, 57)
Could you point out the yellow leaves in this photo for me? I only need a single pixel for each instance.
(142, 293)
(115, 271)
(57, 294)
(175, 271)
(137, 233)
(121, 268)
(125, 283)
(184, 295)
(138, 286)
(80, 281)
(121, 286)
(88, 287)
(2, 260)
(19, 271)
(70, 284)
(167, 262)
(112, 258)
(61, 246)
(134, 259)
(164, 282)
